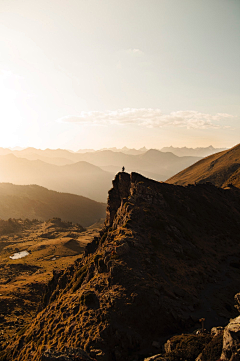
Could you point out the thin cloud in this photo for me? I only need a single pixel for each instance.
(135, 52)
(148, 117)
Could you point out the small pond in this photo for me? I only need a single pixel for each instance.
(19, 255)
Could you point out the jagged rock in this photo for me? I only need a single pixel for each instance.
(99, 355)
(231, 341)
(122, 249)
(169, 346)
(237, 300)
(120, 191)
(131, 286)
(216, 330)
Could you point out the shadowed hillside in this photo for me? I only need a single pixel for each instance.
(33, 201)
(220, 169)
(167, 256)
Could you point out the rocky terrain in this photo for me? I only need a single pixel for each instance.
(220, 169)
(167, 256)
(48, 246)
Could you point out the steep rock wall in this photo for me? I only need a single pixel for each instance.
(167, 256)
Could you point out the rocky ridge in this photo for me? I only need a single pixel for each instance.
(167, 256)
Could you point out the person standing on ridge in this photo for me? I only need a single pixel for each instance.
(123, 169)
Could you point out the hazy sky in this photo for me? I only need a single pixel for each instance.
(103, 73)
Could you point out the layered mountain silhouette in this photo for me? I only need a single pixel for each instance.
(151, 163)
(196, 152)
(35, 202)
(80, 178)
(220, 169)
(167, 256)
(179, 151)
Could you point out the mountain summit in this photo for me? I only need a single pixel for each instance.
(167, 256)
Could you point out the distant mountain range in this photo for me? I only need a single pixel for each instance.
(220, 169)
(64, 154)
(79, 178)
(125, 150)
(88, 174)
(196, 152)
(180, 152)
(35, 202)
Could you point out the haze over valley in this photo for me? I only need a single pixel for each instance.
(88, 174)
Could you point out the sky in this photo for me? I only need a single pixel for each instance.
(108, 73)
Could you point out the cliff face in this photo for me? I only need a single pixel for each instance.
(167, 256)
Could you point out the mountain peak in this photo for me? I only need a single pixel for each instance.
(159, 260)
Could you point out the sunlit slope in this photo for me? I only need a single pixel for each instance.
(32, 201)
(220, 169)
(79, 178)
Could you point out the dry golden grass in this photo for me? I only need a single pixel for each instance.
(22, 281)
(220, 169)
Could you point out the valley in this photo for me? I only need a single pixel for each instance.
(166, 256)
(125, 287)
(51, 246)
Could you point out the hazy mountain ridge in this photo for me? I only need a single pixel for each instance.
(167, 256)
(82, 173)
(156, 164)
(36, 202)
(197, 152)
(220, 169)
(80, 178)
(71, 155)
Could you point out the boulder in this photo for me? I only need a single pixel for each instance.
(216, 330)
(231, 341)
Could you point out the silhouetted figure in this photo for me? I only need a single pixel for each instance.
(123, 169)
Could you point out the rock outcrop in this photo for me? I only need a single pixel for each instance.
(231, 341)
(167, 256)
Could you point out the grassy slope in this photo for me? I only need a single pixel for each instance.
(220, 169)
